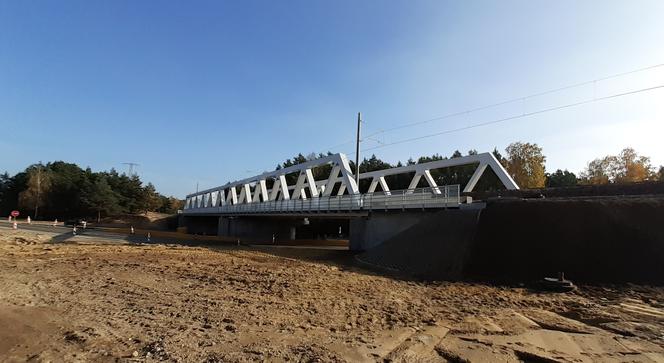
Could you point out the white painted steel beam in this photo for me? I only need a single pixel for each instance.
(383, 185)
(232, 196)
(332, 180)
(299, 191)
(285, 193)
(222, 198)
(311, 183)
(260, 192)
(245, 194)
(373, 185)
(431, 181)
(476, 177)
(375, 182)
(414, 182)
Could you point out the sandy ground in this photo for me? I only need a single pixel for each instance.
(87, 300)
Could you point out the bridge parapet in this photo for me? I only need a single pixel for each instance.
(447, 196)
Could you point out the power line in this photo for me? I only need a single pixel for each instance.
(523, 98)
(338, 145)
(517, 116)
(369, 136)
(353, 141)
(505, 102)
(131, 167)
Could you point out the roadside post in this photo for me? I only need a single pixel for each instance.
(28, 220)
(14, 214)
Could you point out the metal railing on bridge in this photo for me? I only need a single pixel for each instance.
(437, 197)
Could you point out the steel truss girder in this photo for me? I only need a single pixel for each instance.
(340, 173)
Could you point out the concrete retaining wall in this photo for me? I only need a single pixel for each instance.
(598, 240)
(593, 240)
(436, 247)
(369, 232)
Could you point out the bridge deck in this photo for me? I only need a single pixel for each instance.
(439, 197)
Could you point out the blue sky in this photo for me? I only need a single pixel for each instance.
(211, 91)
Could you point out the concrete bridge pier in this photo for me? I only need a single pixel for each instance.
(413, 227)
(371, 231)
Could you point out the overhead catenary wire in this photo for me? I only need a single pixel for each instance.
(328, 149)
(505, 102)
(517, 99)
(522, 115)
(339, 145)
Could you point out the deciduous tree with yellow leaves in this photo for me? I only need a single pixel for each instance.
(626, 167)
(525, 163)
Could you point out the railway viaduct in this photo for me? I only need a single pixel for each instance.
(266, 208)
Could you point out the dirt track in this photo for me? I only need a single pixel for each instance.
(89, 301)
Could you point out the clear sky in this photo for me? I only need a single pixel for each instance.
(213, 91)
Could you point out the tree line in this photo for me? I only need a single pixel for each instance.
(528, 169)
(525, 163)
(452, 175)
(64, 190)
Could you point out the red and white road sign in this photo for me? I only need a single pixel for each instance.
(15, 213)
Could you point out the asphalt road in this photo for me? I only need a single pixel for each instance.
(63, 234)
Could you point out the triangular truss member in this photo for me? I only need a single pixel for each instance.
(483, 161)
(379, 181)
(232, 196)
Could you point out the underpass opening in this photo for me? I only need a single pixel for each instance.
(201, 225)
(309, 230)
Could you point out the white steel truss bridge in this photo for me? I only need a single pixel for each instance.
(338, 191)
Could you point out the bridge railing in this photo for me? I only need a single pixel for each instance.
(437, 197)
